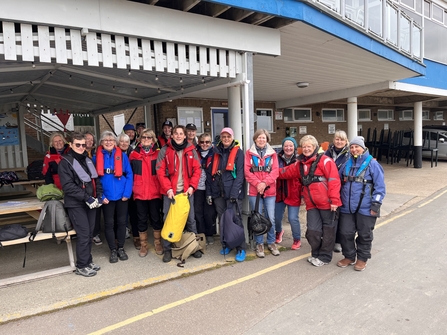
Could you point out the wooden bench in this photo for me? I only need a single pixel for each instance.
(31, 206)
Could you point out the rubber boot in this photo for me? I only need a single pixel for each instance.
(157, 242)
(143, 243)
(136, 243)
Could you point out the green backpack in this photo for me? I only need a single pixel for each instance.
(49, 192)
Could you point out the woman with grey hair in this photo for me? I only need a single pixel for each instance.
(339, 152)
(116, 177)
(321, 192)
(123, 142)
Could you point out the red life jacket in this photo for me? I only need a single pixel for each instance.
(117, 159)
(230, 162)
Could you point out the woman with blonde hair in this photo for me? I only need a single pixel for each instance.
(58, 147)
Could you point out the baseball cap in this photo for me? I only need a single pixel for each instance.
(191, 126)
(167, 123)
(228, 130)
(141, 124)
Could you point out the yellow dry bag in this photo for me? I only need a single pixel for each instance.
(176, 219)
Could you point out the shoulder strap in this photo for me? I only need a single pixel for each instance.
(53, 218)
(39, 222)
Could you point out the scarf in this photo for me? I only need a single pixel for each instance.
(178, 147)
(117, 159)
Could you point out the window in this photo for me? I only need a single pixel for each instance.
(297, 114)
(364, 115)
(438, 13)
(409, 3)
(331, 115)
(427, 9)
(419, 6)
(438, 115)
(385, 115)
(406, 115)
(265, 119)
(190, 115)
(425, 115)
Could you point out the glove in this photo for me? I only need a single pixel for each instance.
(100, 202)
(92, 202)
(233, 200)
(209, 200)
(375, 207)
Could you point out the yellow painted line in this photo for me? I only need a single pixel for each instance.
(432, 199)
(196, 296)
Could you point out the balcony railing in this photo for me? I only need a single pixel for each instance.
(383, 20)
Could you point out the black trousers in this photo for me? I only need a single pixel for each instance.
(205, 214)
(133, 216)
(118, 208)
(320, 233)
(349, 225)
(83, 220)
(149, 209)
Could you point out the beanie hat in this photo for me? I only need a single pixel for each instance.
(358, 140)
(228, 130)
(129, 127)
(291, 139)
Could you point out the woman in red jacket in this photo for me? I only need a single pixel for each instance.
(58, 147)
(178, 170)
(321, 191)
(146, 190)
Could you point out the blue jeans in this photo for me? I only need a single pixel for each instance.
(269, 204)
(292, 215)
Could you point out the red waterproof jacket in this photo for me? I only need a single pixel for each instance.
(320, 194)
(145, 181)
(288, 190)
(168, 166)
(50, 166)
(256, 177)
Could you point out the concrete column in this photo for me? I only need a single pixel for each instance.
(417, 115)
(352, 117)
(234, 110)
(148, 119)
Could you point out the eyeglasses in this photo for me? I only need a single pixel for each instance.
(146, 137)
(78, 145)
(205, 142)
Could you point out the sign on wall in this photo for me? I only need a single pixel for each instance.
(9, 129)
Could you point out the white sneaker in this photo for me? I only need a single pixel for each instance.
(317, 262)
(310, 259)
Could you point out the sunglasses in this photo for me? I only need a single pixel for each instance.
(205, 142)
(78, 145)
(146, 137)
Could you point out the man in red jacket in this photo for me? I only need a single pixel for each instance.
(178, 170)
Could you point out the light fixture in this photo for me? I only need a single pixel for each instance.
(181, 80)
(91, 83)
(136, 90)
(129, 73)
(113, 87)
(302, 84)
(158, 91)
(156, 77)
(33, 65)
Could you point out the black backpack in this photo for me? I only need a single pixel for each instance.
(232, 232)
(12, 232)
(34, 170)
(53, 219)
(8, 178)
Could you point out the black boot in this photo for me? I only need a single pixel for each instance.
(167, 256)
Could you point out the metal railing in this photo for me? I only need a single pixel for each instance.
(381, 19)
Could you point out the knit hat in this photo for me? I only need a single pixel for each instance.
(228, 130)
(358, 140)
(291, 139)
(129, 127)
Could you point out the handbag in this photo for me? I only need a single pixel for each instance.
(232, 233)
(258, 223)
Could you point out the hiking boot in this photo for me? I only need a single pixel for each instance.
(345, 262)
(296, 244)
(260, 250)
(136, 243)
(273, 249)
(96, 239)
(360, 265)
(86, 272)
(167, 256)
(122, 255)
(197, 254)
(279, 235)
(94, 266)
(113, 256)
(225, 251)
(209, 240)
(337, 247)
(240, 256)
(317, 262)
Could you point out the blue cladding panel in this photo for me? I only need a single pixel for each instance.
(435, 76)
(300, 11)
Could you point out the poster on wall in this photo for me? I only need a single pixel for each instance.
(9, 129)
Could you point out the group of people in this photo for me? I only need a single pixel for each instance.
(135, 175)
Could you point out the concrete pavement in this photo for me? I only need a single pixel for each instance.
(405, 187)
